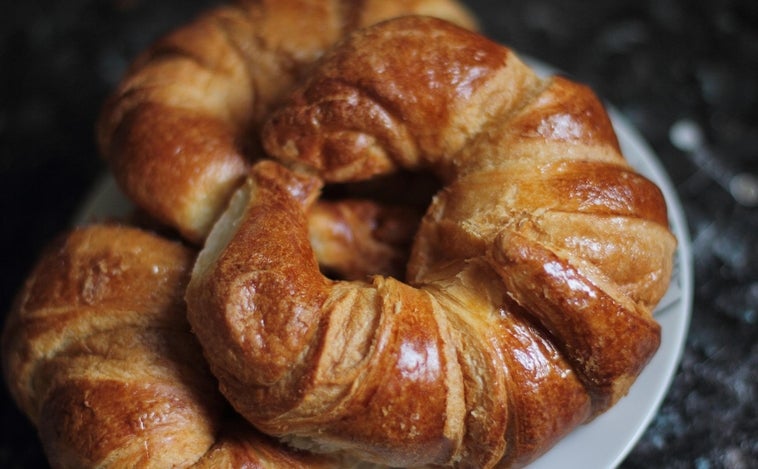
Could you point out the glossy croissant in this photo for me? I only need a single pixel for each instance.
(526, 307)
(98, 354)
(180, 131)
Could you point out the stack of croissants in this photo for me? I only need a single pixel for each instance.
(364, 234)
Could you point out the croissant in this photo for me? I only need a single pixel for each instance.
(526, 305)
(98, 353)
(180, 130)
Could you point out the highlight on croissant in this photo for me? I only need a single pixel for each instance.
(376, 238)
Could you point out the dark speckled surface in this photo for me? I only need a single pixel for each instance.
(684, 72)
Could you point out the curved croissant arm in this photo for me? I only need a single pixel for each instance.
(179, 131)
(385, 371)
(532, 277)
(98, 354)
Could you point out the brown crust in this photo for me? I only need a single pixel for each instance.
(530, 284)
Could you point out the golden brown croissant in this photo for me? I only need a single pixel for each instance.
(527, 307)
(98, 353)
(180, 130)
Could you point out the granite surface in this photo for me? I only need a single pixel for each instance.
(684, 72)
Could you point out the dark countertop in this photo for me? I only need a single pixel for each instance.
(684, 72)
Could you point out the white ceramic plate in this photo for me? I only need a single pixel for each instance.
(606, 441)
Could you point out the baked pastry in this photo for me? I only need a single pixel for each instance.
(526, 308)
(181, 129)
(99, 355)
